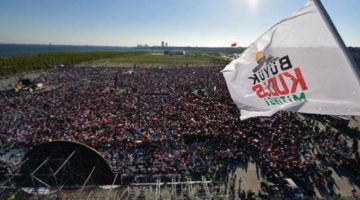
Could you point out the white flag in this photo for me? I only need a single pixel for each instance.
(300, 64)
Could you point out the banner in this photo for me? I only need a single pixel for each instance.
(300, 64)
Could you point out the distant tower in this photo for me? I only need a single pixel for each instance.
(162, 44)
(166, 44)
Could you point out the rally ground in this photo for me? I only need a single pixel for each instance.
(251, 181)
(251, 178)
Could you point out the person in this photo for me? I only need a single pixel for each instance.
(179, 133)
(250, 195)
(240, 182)
(242, 194)
(355, 194)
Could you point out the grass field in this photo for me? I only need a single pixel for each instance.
(153, 59)
(20, 64)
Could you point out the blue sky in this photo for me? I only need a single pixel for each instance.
(179, 22)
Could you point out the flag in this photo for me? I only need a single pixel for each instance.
(233, 45)
(300, 64)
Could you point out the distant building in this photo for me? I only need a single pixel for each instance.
(175, 53)
(142, 45)
(162, 44)
(166, 44)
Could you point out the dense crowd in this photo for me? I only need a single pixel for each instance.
(167, 120)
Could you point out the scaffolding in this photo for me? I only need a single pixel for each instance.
(158, 189)
(50, 171)
(206, 187)
(173, 187)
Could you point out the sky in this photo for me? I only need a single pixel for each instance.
(205, 23)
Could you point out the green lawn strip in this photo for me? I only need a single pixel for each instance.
(150, 59)
(20, 64)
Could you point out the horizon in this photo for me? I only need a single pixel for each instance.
(154, 46)
(84, 45)
(180, 23)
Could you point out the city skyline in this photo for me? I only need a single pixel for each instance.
(206, 23)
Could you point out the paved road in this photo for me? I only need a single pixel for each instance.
(250, 178)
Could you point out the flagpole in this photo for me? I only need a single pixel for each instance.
(337, 36)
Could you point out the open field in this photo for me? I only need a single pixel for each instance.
(153, 59)
(20, 64)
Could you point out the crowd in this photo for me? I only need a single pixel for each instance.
(164, 121)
